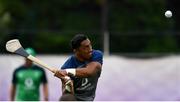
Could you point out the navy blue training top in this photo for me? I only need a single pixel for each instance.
(84, 88)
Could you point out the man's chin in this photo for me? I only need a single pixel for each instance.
(89, 57)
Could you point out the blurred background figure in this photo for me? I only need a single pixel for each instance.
(26, 81)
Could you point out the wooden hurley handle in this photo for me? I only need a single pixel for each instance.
(40, 63)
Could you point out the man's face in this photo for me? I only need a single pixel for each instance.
(85, 50)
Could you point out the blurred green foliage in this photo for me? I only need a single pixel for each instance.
(48, 26)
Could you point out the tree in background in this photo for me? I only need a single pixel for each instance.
(38, 22)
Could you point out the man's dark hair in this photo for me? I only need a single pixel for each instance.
(76, 41)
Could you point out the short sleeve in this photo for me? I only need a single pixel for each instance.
(68, 63)
(98, 56)
(44, 78)
(14, 79)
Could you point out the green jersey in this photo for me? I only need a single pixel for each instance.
(27, 82)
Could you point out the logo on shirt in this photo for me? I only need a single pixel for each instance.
(29, 83)
(84, 82)
(84, 85)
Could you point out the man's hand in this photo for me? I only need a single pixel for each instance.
(60, 74)
(68, 86)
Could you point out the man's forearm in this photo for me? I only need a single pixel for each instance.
(45, 89)
(12, 92)
(90, 70)
(84, 72)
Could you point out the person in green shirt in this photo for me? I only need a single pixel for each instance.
(26, 81)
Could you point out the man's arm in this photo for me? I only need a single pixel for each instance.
(91, 69)
(45, 91)
(12, 92)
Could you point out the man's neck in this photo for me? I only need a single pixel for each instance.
(28, 65)
(79, 58)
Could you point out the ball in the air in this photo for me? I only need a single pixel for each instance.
(168, 14)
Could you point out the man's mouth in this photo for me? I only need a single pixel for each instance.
(90, 53)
